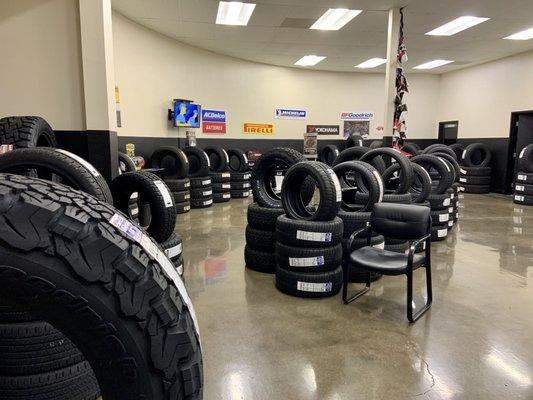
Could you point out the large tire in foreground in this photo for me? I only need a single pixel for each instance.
(84, 268)
(24, 132)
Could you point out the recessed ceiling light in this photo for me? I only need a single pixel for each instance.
(307, 61)
(372, 63)
(433, 64)
(524, 35)
(334, 19)
(234, 13)
(457, 25)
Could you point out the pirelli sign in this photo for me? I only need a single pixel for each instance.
(258, 129)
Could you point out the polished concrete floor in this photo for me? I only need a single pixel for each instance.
(476, 342)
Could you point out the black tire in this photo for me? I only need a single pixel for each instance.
(34, 347)
(153, 192)
(221, 197)
(309, 284)
(366, 176)
(221, 187)
(15, 313)
(240, 176)
(353, 221)
(220, 177)
(218, 158)
(442, 149)
(525, 158)
(178, 185)
(476, 155)
(182, 208)
(263, 217)
(173, 160)
(431, 147)
(204, 202)
(259, 261)
(180, 197)
(240, 194)
(27, 131)
(439, 233)
(328, 154)
(421, 186)
(478, 189)
(446, 174)
(308, 233)
(523, 199)
(202, 193)
(125, 163)
(475, 180)
(264, 167)
(376, 144)
(458, 149)
(406, 170)
(76, 382)
(238, 162)
(199, 163)
(311, 259)
(452, 161)
(524, 177)
(243, 185)
(439, 201)
(440, 217)
(116, 299)
(355, 154)
(200, 182)
(73, 170)
(328, 186)
(522, 188)
(354, 141)
(173, 247)
(259, 239)
(475, 171)
(411, 148)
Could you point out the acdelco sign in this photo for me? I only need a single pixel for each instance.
(213, 116)
(357, 116)
(260, 129)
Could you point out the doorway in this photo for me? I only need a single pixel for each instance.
(521, 134)
(448, 132)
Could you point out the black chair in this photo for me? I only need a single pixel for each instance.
(397, 221)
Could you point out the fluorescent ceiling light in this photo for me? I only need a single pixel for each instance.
(234, 13)
(372, 63)
(307, 61)
(457, 25)
(524, 35)
(334, 19)
(433, 64)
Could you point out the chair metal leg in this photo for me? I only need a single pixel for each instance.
(345, 297)
(429, 289)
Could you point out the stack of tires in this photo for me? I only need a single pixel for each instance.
(201, 186)
(219, 173)
(308, 248)
(259, 252)
(175, 174)
(240, 174)
(440, 197)
(475, 169)
(523, 189)
(357, 216)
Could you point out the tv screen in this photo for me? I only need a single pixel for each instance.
(187, 114)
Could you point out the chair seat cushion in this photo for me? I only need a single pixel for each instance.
(383, 261)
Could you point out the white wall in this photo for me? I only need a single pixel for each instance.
(40, 64)
(482, 98)
(151, 70)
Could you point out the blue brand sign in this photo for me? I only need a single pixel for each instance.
(213, 116)
(285, 113)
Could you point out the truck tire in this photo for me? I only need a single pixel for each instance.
(238, 162)
(173, 160)
(199, 162)
(27, 131)
(218, 158)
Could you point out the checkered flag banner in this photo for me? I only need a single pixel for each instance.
(400, 108)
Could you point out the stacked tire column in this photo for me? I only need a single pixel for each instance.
(201, 188)
(240, 175)
(219, 173)
(523, 189)
(475, 169)
(308, 248)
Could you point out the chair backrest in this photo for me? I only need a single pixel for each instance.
(401, 221)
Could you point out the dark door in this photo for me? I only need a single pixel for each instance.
(524, 135)
(521, 135)
(448, 132)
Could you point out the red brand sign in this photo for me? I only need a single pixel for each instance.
(214, 127)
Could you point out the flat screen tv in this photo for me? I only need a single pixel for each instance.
(187, 114)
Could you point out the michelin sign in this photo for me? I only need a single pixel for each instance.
(286, 113)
